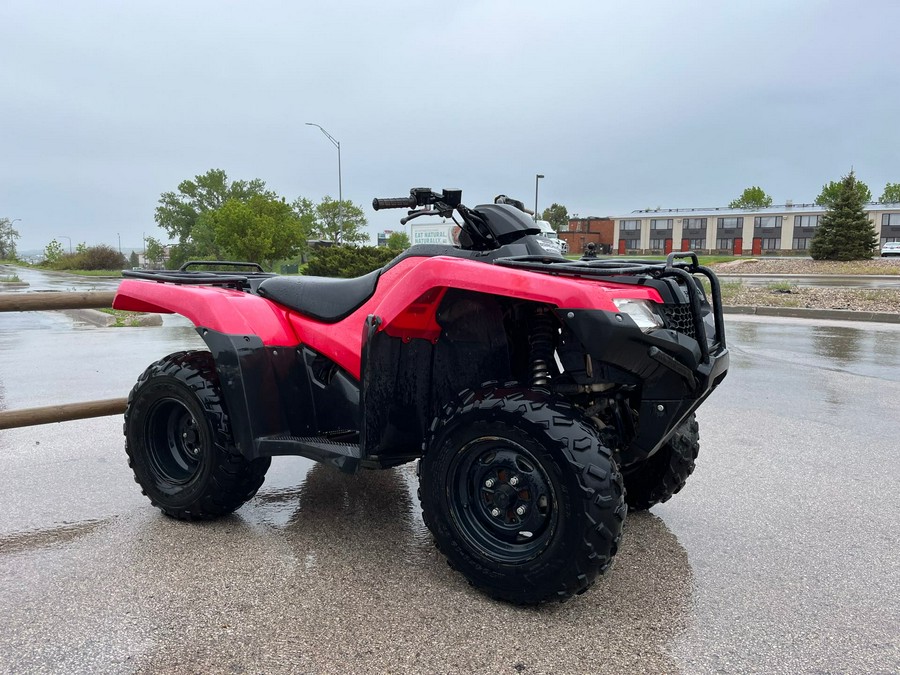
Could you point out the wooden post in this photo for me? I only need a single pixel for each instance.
(42, 301)
(10, 419)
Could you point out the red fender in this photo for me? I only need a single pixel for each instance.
(408, 295)
(220, 309)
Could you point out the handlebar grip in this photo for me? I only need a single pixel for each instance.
(394, 203)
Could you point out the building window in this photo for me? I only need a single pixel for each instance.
(694, 223)
(890, 219)
(771, 243)
(661, 224)
(885, 240)
(767, 221)
(696, 244)
(659, 244)
(632, 244)
(806, 221)
(725, 244)
(630, 225)
(801, 243)
(730, 223)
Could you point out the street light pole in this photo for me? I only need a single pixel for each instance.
(537, 177)
(336, 144)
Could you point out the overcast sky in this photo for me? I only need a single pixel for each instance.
(621, 105)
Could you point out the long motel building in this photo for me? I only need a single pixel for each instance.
(773, 230)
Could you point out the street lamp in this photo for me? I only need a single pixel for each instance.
(336, 144)
(62, 236)
(537, 177)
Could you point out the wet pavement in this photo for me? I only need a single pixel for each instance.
(780, 555)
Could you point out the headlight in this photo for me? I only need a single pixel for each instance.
(642, 312)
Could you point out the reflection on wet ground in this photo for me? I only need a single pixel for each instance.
(778, 556)
(333, 574)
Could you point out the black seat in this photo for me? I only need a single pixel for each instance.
(324, 298)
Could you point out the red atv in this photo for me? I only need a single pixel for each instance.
(539, 394)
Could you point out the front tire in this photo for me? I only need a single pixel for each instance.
(521, 496)
(179, 442)
(665, 472)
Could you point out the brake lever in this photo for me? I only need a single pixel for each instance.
(415, 214)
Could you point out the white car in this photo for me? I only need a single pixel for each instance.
(890, 248)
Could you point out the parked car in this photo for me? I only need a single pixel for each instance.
(890, 248)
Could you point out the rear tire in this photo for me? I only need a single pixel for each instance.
(664, 473)
(179, 441)
(520, 495)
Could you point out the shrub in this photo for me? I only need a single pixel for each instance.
(100, 257)
(348, 261)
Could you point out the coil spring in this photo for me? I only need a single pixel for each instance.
(541, 341)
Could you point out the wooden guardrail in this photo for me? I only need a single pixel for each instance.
(51, 300)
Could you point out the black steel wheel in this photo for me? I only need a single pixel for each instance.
(666, 471)
(179, 441)
(520, 495)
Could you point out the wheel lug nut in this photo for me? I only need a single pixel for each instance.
(490, 482)
(495, 512)
(514, 481)
(184, 435)
(521, 510)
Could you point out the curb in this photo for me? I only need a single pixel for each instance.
(807, 313)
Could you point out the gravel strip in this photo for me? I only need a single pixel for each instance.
(807, 266)
(858, 300)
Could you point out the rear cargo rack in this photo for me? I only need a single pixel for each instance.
(681, 265)
(241, 281)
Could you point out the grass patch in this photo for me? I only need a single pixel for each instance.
(781, 287)
(123, 319)
(10, 279)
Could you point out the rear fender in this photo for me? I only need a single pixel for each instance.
(217, 309)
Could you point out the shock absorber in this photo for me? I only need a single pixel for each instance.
(542, 343)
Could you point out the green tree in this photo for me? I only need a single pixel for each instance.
(751, 198)
(179, 211)
(557, 216)
(845, 232)
(398, 241)
(337, 222)
(8, 237)
(831, 190)
(261, 229)
(81, 248)
(154, 252)
(133, 260)
(53, 252)
(891, 194)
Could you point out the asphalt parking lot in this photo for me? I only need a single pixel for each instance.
(779, 555)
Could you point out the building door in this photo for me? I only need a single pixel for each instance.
(738, 246)
(757, 245)
(621, 247)
(668, 247)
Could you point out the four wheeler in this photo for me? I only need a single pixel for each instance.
(541, 396)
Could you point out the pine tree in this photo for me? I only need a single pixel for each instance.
(845, 231)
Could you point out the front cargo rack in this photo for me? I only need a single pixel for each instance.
(681, 265)
(241, 281)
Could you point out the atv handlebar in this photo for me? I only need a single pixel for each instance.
(394, 203)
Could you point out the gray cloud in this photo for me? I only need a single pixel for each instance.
(621, 105)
